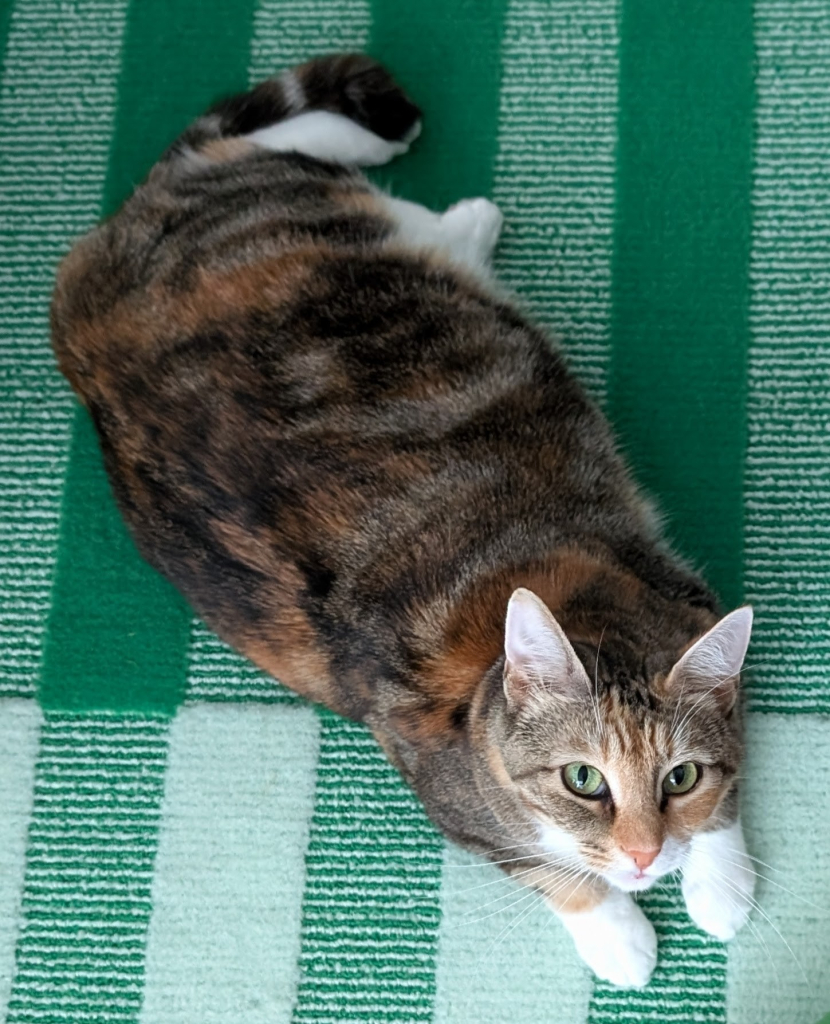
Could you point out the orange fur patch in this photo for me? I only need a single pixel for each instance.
(222, 150)
(474, 637)
(151, 318)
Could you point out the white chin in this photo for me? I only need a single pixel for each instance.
(628, 883)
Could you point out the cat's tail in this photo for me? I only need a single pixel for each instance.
(346, 108)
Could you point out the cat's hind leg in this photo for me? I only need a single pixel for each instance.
(472, 228)
(467, 232)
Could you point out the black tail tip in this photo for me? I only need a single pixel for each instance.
(360, 88)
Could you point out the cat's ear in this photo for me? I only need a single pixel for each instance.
(538, 655)
(713, 663)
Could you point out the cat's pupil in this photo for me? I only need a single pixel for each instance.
(582, 776)
(678, 775)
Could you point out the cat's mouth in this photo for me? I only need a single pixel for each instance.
(631, 878)
(633, 881)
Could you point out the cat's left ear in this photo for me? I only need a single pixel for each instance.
(538, 656)
(713, 663)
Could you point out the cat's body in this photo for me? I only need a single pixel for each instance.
(328, 428)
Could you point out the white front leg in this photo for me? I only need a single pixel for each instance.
(718, 881)
(615, 939)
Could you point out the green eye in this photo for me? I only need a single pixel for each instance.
(584, 779)
(681, 779)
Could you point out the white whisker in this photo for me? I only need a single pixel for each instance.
(772, 881)
(754, 903)
(733, 902)
(595, 695)
(567, 876)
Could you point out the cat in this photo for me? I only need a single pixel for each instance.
(329, 426)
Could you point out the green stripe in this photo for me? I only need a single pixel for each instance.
(218, 673)
(680, 275)
(93, 658)
(370, 912)
(56, 111)
(178, 59)
(690, 981)
(372, 905)
(447, 56)
(5, 23)
(787, 481)
(680, 335)
(555, 171)
(117, 630)
(89, 867)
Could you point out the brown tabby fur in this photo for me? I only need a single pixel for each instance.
(347, 455)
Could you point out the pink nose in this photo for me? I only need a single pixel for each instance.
(643, 858)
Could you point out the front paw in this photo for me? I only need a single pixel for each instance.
(718, 882)
(616, 940)
(720, 905)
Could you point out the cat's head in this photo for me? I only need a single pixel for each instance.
(619, 764)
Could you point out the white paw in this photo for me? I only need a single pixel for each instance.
(721, 903)
(616, 940)
(472, 228)
(718, 883)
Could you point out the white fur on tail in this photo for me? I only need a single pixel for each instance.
(327, 136)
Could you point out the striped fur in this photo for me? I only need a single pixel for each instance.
(348, 453)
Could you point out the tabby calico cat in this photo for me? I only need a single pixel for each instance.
(326, 424)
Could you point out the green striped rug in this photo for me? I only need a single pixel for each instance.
(184, 842)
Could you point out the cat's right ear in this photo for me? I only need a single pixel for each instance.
(538, 656)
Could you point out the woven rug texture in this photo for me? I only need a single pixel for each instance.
(182, 840)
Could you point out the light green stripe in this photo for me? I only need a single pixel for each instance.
(787, 484)
(56, 115)
(288, 32)
(787, 826)
(229, 877)
(369, 911)
(554, 178)
(20, 722)
(502, 955)
(92, 840)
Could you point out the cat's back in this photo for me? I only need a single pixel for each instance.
(310, 428)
